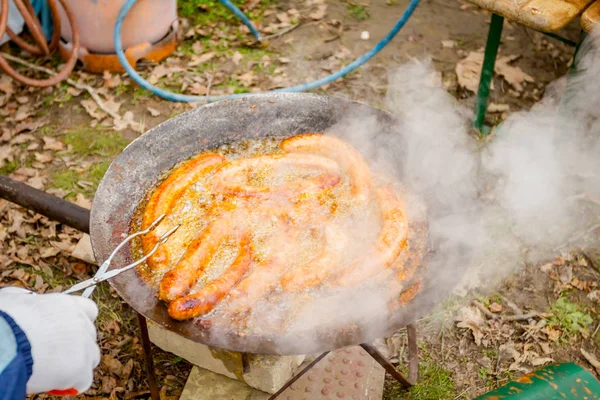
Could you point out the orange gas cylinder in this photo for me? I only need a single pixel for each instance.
(149, 31)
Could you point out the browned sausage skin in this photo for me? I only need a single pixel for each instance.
(231, 177)
(350, 160)
(390, 242)
(181, 279)
(166, 195)
(204, 300)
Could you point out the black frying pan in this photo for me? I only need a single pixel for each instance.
(141, 164)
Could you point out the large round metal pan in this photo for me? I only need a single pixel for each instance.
(142, 163)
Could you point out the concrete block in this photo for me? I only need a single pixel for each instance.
(203, 384)
(265, 373)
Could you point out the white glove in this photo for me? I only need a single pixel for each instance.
(60, 329)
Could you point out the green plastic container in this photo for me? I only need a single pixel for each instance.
(554, 382)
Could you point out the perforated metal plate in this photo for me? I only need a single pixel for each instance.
(348, 373)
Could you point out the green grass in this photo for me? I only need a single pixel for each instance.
(66, 179)
(569, 316)
(235, 84)
(359, 12)
(85, 141)
(9, 167)
(204, 12)
(435, 383)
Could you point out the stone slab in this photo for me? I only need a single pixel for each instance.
(266, 373)
(203, 384)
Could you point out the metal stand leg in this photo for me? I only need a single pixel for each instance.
(147, 346)
(413, 354)
(487, 72)
(413, 363)
(298, 376)
(389, 368)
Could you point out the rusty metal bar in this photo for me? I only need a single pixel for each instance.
(46, 204)
(298, 376)
(147, 346)
(413, 354)
(389, 368)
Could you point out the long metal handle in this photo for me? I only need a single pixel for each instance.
(46, 204)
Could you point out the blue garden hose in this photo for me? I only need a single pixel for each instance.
(299, 88)
(238, 13)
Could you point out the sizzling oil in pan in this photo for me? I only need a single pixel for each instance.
(338, 226)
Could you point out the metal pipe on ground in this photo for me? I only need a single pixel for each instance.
(46, 204)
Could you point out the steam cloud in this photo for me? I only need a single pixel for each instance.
(525, 195)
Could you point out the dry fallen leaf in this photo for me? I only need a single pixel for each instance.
(497, 108)
(153, 111)
(495, 307)
(591, 359)
(513, 75)
(83, 201)
(83, 250)
(43, 157)
(537, 361)
(472, 318)
(92, 109)
(163, 70)
(49, 252)
(22, 99)
(468, 71)
(201, 59)
(448, 44)
(198, 88)
(319, 13)
(111, 365)
(237, 57)
(111, 81)
(545, 347)
(52, 144)
(247, 79)
(5, 154)
(565, 273)
(112, 106)
(37, 182)
(108, 384)
(24, 138)
(6, 84)
(23, 113)
(74, 91)
(553, 334)
(594, 295)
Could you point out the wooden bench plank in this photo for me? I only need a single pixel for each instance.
(591, 17)
(541, 15)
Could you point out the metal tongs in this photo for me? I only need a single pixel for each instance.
(89, 285)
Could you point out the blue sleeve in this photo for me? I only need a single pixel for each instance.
(15, 360)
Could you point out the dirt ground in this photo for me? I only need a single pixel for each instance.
(60, 140)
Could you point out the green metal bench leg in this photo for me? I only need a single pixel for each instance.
(487, 72)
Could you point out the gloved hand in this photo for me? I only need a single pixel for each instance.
(60, 329)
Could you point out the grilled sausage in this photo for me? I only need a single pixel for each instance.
(341, 152)
(230, 178)
(180, 280)
(166, 195)
(315, 271)
(267, 273)
(204, 300)
(389, 243)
